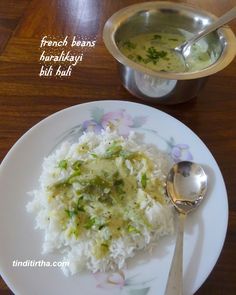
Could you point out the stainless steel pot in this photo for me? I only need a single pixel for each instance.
(150, 17)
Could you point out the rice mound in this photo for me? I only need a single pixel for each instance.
(78, 207)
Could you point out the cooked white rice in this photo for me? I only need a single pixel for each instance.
(86, 237)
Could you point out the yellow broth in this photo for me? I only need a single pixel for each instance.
(155, 51)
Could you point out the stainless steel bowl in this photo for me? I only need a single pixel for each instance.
(150, 17)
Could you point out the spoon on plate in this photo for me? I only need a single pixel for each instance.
(184, 49)
(186, 186)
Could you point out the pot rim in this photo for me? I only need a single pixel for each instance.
(114, 22)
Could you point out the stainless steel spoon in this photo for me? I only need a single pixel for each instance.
(186, 186)
(184, 48)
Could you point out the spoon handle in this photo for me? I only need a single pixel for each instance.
(224, 19)
(175, 278)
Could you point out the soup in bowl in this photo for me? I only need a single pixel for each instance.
(141, 37)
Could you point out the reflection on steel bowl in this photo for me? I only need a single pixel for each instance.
(137, 70)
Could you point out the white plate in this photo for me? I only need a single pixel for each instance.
(145, 275)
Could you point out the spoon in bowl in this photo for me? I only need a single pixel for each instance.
(186, 186)
(184, 49)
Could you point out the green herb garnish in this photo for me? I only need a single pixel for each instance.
(116, 174)
(79, 205)
(90, 223)
(119, 182)
(63, 164)
(128, 155)
(102, 226)
(144, 180)
(74, 177)
(132, 229)
(119, 186)
(139, 58)
(129, 45)
(155, 55)
(113, 151)
(76, 165)
(156, 37)
(71, 213)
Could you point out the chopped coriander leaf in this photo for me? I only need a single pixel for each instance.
(90, 223)
(156, 37)
(73, 231)
(128, 155)
(129, 45)
(119, 182)
(76, 165)
(139, 58)
(102, 226)
(173, 39)
(63, 164)
(144, 180)
(60, 185)
(133, 229)
(73, 177)
(94, 155)
(116, 174)
(71, 213)
(114, 148)
(80, 206)
(79, 192)
(155, 55)
(113, 151)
